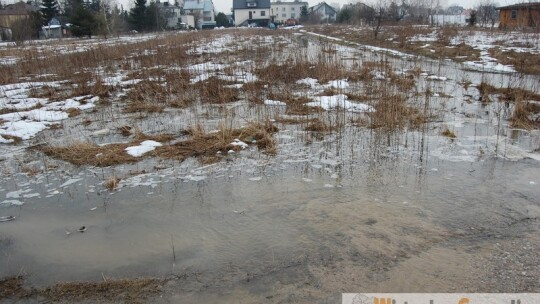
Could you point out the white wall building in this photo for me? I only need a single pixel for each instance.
(248, 12)
(203, 12)
(281, 10)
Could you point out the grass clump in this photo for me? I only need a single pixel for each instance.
(208, 145)
(448, 133)
(112, 182)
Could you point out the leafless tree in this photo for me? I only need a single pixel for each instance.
(487, 13)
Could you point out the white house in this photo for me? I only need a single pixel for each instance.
(325, 12)
(172, 13)
(281, 11)
(248, 12)
(202, 11)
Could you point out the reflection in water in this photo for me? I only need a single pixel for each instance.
(358, 209)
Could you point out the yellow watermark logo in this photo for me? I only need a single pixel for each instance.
(441, 298)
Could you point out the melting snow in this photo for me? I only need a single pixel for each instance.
(339, 101)
(144, 147)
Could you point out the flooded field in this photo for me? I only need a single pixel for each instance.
(277, 166)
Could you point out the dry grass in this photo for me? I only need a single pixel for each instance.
(13, 288)
(85, 153)
(522, 117)
(506, 94)
(393, 112)
(205, 146)
(292, 71)
(112, 182)
(295, 104)
(16, 140)
(448, 133)
(110, 291)
(215, 91)
(523, 62)
(320, 126)
(133, 291)
(200, 145)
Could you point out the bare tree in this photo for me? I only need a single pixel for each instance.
(487, 13)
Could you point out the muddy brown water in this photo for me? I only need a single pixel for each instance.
(354, 211)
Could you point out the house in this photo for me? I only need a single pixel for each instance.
(202, 11)
(53, 29)
(13, 13)
(324, 12)
(520, 15)
(281, 11)
(249, 12)
(357, 13)
(172, 14)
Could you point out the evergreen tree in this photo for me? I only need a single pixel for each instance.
(304, 14)
(154, 19)
(49, 9)
(222, 20)
(137, 15)
(83, 22)
(472, 18)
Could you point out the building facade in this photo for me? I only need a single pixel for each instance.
(202, 11)
(325, 12)
(251, 12)
(523, 15)
(281, 11)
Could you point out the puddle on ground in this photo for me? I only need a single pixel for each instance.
(359, 209)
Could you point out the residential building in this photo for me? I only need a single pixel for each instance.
(172, 13)
(250, 12)
(358, 13)
(53, 29)
(281, 11)
(522, 15)
(15, 12)
(202, 11)
(324, 12)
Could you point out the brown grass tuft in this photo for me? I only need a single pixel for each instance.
(112, 182)
(208, 145)
(448, 133)
(84, 153)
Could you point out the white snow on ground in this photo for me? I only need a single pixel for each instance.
(339, 84)
(269, 102)
(431, 37)
(8, 60)
(434, 77)
(25, 123)
(339, 101)
(144, 147)
(309, 81)
(363, 46)
(239, 143)
(69, 182)
(23, 129)
(12, 203)
(484, 42)
(21, 103)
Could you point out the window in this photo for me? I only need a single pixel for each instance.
(514, 14)
(292, 9)
(293, 15)
(283, 9)
(263, 13)
(284, 15)
(252, 4)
